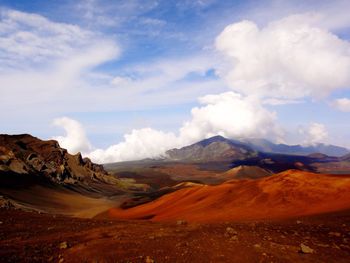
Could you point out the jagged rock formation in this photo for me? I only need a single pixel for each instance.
(27, 155)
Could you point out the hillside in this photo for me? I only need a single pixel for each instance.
(246, 172)
(40, 175)
(288, 194)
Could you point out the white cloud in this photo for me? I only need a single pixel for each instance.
(342, 104)
(30, 40)
(289, 58)
(228, 114)
(277, 101)
(139, 144)
(58, 71)
(315, 133)
(75, 139)
(47, 62)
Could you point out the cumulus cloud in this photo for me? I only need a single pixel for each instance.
(315, 133)
(290, 58)
(139, 144)
(231, 115)
(228, 114)
(75, 139)
(342, 104)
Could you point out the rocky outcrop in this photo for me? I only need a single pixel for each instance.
(28, 155)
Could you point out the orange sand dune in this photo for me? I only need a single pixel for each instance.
(288, 194)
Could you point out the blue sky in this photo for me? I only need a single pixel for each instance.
(90, 72)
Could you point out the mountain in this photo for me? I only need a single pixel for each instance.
(220, 149)
(345, 158)
(214, 149)
(284, 195)
(263, 145)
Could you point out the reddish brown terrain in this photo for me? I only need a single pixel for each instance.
(288, 194)
(58, 207)
(33, 237)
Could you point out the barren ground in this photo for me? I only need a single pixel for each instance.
(33, 237)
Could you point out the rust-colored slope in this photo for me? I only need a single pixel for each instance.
(291, 193)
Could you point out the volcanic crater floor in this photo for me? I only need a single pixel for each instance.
(34, 237)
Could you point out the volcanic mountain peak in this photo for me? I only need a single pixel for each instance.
(213, 149)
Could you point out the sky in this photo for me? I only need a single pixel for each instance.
(125, 80)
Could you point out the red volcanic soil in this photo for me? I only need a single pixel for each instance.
(287, 194)
(33, 237)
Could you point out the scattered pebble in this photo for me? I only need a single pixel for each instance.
(306, 249)
(149, 260)
(231, 231)
(334, 234)
(257, 246)
(63, 245)
(181, 222)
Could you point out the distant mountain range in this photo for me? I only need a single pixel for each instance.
(218, 148)
(263, 145)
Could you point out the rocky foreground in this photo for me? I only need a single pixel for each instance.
(33, 237)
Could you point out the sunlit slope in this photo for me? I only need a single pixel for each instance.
(287, 194)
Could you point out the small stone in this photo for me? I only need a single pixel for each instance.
(63, 245)
(306, 249)
(231, 231)
(257, 246)
(234, 238)
(334, 234)
(299, 222)
(335, 246)
(322, 245)
(151, 237)
(149, 260)
(181, 222)
(1, 222)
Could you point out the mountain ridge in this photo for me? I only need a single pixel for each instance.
(239, 149)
